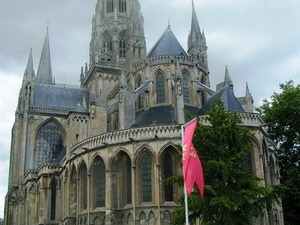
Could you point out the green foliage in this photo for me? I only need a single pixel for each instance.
(232, 194)
(282, 115)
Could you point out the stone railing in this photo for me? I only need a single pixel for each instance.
(53, 110)
(248, 119)
(123, 136)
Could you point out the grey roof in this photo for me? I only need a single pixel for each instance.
(61, 96)
(228, 99)
(161, 115)
(167, 44)
(44, 73)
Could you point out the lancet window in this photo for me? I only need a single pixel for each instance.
(98, 182)
(185, 87)
(110, 6)
(160, 88)
(122, 45)
(146, 168)
(122, 6)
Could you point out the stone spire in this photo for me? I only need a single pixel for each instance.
(248, 95)
(29, 74)
(227, 79)
(196, 40)
(44, 74)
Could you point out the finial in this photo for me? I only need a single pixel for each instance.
(169, 25)
(193, 3)
(48, 22)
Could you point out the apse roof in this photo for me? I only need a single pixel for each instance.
(228, 99)
(167, 44)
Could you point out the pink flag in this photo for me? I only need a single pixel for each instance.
(192, 167)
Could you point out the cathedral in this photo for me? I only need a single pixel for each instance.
(100, 152)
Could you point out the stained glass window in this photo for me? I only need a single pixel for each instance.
(167, 172)
(185, 87)
(83, 187)
(140, 98)
(160, 88)
(49, 143)
(146, 177)
(99, 182)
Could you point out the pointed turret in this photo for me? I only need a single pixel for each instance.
(44, 74)
(196, 40)
(247, 101)
(29, 74)
(227, 81)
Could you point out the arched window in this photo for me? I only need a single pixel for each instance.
(185, 87)
(49, 144)
(73, 192)
(122, 45)
(106, 41)
(110, 6)
(140, 103)
(121, 169)
(122, 6)
(98, 183)
(146, 168)
(83, 186)
(160, 88)
(167, 172)
(53, 199)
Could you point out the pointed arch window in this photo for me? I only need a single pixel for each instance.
(53, 199)
(160, 88)
(110, 6)
(146, 168)
(122, 45)
(185, 87)
(98, 182)
(106, 41)
(140, 103)
(83, 186)
(49, 144)
(167, 172)
(122, 6)
(73, 192)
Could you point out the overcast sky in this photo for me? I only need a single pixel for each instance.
(259, 41)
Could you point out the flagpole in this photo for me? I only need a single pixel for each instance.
(185, 192)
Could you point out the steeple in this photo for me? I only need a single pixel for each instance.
(44, 74)
(29, 74)
(196, 40)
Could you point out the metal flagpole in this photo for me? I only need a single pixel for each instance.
(185, 192)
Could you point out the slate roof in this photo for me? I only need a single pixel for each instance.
(160, 115)
(228, 98)
(167, 44)
(61, 96)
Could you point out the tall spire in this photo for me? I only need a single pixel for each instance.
(29, 74)
(44, 74)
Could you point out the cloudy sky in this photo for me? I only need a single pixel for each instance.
(259, 41)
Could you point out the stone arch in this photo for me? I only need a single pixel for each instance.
(143, 218)
(152, 218)
(82, 176)
(98, 182)
(73, 191)
(121, 173)
(166, 218)
(170, 165)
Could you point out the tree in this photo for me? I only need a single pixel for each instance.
(282, 115)
(232, 193)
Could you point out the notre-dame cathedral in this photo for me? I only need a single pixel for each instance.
(99, 153)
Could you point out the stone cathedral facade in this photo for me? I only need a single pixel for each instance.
(100, 152)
